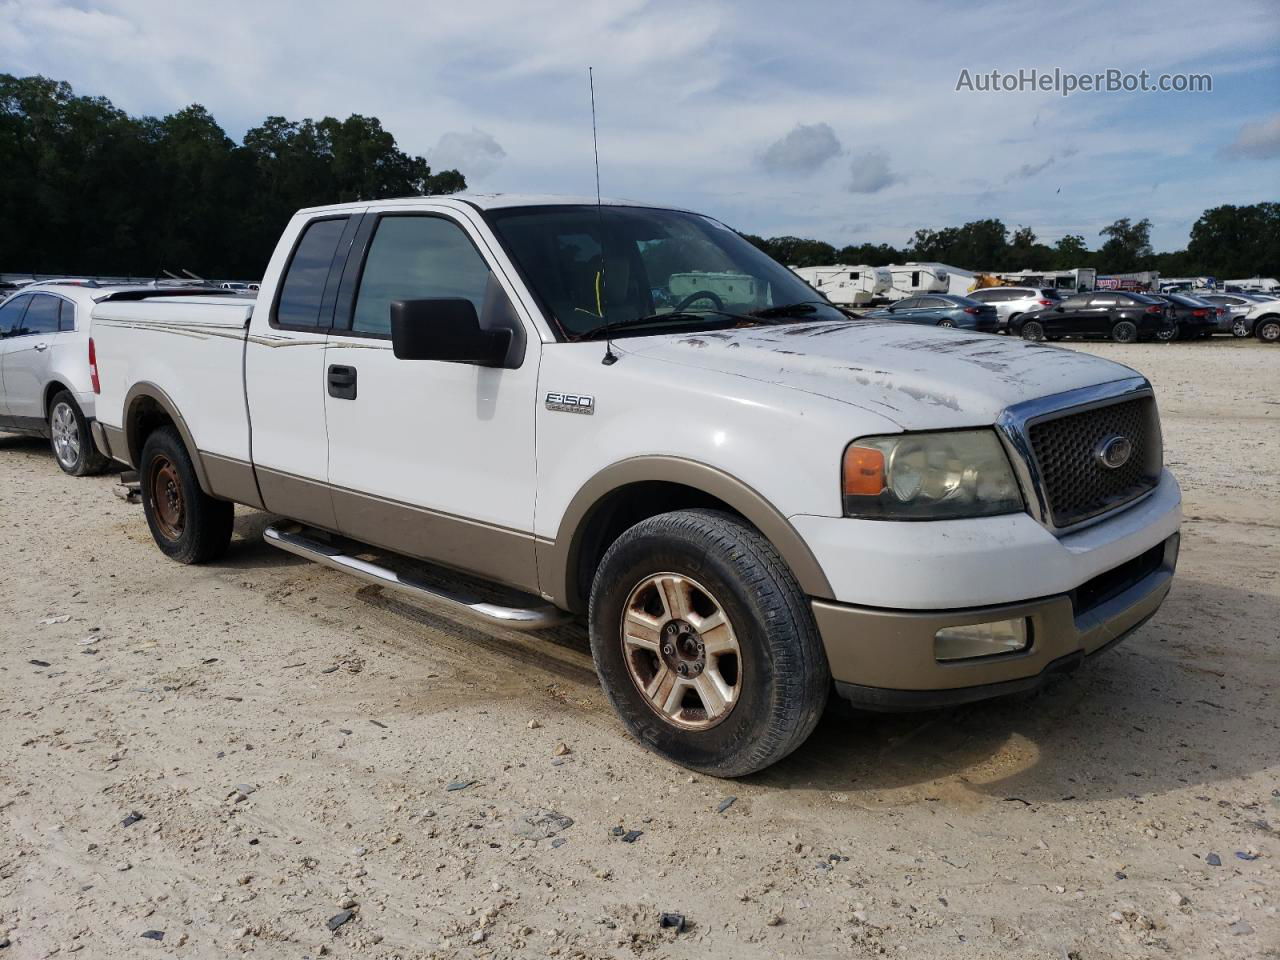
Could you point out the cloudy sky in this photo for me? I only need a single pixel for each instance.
(839, 121)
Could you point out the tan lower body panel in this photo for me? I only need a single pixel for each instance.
(894, 649)
(231, 479)
(307, 501)
(494, 553)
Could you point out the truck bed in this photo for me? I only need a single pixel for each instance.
(194, 347)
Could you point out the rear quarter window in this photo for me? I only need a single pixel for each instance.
(302, 291)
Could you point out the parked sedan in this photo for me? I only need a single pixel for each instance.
(941, 310)
(1124, 317)
(1196, 318)
(1013, 302)
(1238, 306)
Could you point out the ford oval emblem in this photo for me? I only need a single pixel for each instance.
(1114, 451)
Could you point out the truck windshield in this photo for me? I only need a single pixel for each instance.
(590, 267)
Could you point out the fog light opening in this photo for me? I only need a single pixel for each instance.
(977, 640)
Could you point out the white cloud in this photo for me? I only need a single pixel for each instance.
(869, 172)
(806, 148)
(1257, 141)
(476, 153)
(690, 92)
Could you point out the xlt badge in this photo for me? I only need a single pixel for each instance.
(571, 403)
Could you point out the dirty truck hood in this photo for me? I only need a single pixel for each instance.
(919, 377)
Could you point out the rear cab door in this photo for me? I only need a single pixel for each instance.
(284, 365)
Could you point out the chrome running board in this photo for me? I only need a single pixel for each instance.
(516, 618)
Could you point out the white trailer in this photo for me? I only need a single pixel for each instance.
(912, 278)
(1256, 284)
(1075, 280)
(853, 285)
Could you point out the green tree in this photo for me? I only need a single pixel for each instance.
(1128, 246)
(1231, 242)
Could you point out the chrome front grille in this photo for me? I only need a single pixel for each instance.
(1058, 442)
(1077, 485)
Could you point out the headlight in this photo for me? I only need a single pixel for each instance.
(929, 476)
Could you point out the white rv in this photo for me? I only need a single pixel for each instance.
(848, 285)
(912, 278)
(1068, 281)
(1256, 285)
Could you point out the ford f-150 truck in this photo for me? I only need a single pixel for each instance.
(633, 416)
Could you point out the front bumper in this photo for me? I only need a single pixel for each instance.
(884, 659)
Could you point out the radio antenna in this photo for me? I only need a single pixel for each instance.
(610, 357)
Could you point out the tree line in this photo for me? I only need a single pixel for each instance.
(88, 189)
(1226, 242)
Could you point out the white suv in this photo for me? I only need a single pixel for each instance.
(47, 376)
(1013, 302)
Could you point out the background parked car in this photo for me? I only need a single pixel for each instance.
(941, 310)
(1124, 317)
(1196, 318)
(1238, 306)
(1263, 321)
(47, 366)
(1013, 302)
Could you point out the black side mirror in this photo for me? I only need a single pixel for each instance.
(445, 328)
(892, 309)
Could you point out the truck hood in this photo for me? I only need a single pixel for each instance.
(919, 377)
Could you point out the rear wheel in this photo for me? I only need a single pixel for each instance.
(1240, 329)
(187, 524)
(1032, 330)
(1124, 332)
(1268, 329)
(1168, 334)
(70, 438)
(705, 644)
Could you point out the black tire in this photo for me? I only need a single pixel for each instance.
(780, 669)
(1267, 329)
(944, 322)
(1124, 332)
(1032, 330)
(1169, 334)
(198, 529)
(70, 438)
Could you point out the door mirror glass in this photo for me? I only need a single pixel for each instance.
(445, 328)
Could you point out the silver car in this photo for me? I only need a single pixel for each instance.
(1237, 306)
(46, 366)
(1013, 302)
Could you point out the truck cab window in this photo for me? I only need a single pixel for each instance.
(303, 286)
(416, 258)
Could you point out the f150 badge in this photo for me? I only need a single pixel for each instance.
(571, 403)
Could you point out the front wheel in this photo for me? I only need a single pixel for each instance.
(187, 524)
(1124, 332)
(1167, 334)
(1268, 330)
(1032, 330)
(70, 438)
(946, 323)
(705, 644)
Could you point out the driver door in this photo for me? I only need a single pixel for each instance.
(430, 458)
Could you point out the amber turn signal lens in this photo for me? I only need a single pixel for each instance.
(863, 472)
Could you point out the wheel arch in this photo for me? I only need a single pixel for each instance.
(51, 390)
(635, 489)
(147, 408)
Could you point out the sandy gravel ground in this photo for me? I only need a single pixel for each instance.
(289, 741)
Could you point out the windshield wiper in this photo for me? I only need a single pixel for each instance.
(799, 309)
(657, 319)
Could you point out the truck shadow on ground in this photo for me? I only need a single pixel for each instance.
(39, 446)
(1137, 720)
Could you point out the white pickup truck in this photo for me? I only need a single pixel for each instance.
(752, 499)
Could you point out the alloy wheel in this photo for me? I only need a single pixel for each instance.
(681, 651)
(65, 434)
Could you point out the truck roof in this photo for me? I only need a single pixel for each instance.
(490, 201)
